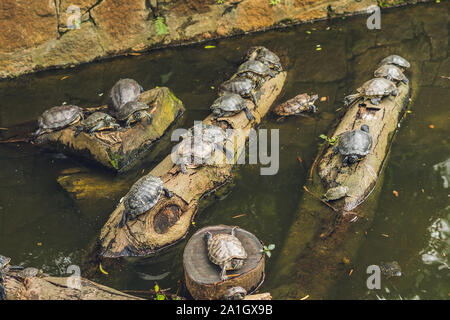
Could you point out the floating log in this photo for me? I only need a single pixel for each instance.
(203, 277)
(169, 220)
(118, 150)
(322, 242)
(59, 288)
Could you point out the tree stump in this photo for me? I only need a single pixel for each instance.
(203, 277)
(118, 150)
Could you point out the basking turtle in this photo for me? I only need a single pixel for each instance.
(391, 72)
(245, 87)
(29, 272)
(374, 90)
(4, 267)
(230, 104)
(58, 118)
(390, 269)
(207, 132)
(297, 105)
(235, 293)
(193, 153)
(125, 90)
(134, 111)
(255, 70)
(143, 196)
(397, 60)
(354, 145)
(265, 56)
(335, 193)
(96, 122)
(226, 251)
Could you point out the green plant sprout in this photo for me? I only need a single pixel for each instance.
(331, 141)
(274, 2)
(161, 27)
(267, 249)
(159, 296)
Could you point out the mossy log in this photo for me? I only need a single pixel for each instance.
(59, 288)
(323, 239)
(118, 150)
(203, 277)
(169, 221)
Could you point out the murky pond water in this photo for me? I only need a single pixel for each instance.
(41, 225)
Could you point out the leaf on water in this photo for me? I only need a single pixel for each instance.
(322, 99)
(385, 235)
(299, 159)
(210, 47)
(64, 78)
(156, 288)
(308, 32)
(238, 216)
(431, 126)
(39, 244)
(350, 273)
(305, 297)
(318, 48)
(395, 192)
(101, 269)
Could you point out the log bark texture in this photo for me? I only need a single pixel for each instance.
(169, 220)
(118, 150)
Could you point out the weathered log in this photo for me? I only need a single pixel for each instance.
(203, 277)
(321, 242)
(259, 296)
(169, 221)
(59, 288)
(118, 150)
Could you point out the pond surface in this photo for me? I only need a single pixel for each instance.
(42, 225)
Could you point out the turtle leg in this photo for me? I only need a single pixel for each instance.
(352, 159)
(168, 193)
(2, 292)
(149, 117)
(208, 236)
(271, 74)
(78, 131)
(345, 162)
(183, 168)
(38, 133)
(124, 219)
(405, 80)
(223, 273)
(388, 77)
(116, 127)
(97, 127)
(249, 115)
(233, 231)
(252, 94)
(395, 92)
(375, 101)
(335, 150)
(351, 98)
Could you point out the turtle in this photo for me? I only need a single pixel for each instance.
(335, 193)
(207, 132)
(391, 72)
(134, 111)
(397, 60)
(143, 195)
(230, 104)
(4, 267)
(193, 153)
(390, 269)
(255, 70)
(125, 90)
(96, 122)
(58, 118)
(297, 105)
(374, 89)
(29, 272)
(265, 56)
(235, 293)
(354, 145)
(226, 251)
(245, 87)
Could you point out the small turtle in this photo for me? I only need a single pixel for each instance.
(235, 293)
(193, 153)
(390, 269)
(143, 195)
(335, 193)
(29, 272)
(125, 90)
(58, 118)
(297, 105)
(4, 267)
(134, 111)
(354, 145)
(226, 251)
(255, 70)
(374, 90)
(230, 104)
(96, 122)
(245, 87)
(265, 56)
(397, 60)
(391, 72)
(207, 132)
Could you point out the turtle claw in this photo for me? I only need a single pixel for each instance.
(168, 193)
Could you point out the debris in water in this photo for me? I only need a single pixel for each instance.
(395, 192)
(305, 297)
(238, 216)
(431, 126)
(101, 269)
(64, 78)
(210, 47)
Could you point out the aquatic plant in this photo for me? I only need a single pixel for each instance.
(161, 27)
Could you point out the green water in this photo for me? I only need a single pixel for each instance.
(41, 225)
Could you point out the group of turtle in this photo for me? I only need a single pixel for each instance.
(124, 107)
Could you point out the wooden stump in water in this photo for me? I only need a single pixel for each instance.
(203, 277)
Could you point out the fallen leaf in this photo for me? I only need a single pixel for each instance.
(308, 32)
(350, 273)
(238, 216)
(210, 47)
(318, 48)
(135, 54)
(322, 99)
(422, 190)
(305, 297)
(299, 159)
(64, 78)
(385, 235)
(101, 269)
(395, 192)
(431, 126)
(39, 244)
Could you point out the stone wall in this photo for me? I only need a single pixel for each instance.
(35, 34)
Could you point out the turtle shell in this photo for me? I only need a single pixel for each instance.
(60, 117)
(125, 90)
(240, 85)
(222, 248)
(229, 102)
(265, 56)
(336, 193)
(355, 142)
(378, 87)
(143, 195)
(296, 105)
(390, 269)
(29, 272)
(193, 152)
(129, 108)
(4, 261)
(95, 118)
(397, 60)
(256, 67)
(390, 71)
(207, 132)
(235, 293)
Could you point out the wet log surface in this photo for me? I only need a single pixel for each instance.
(118, 150)
(169, 221)
(322, 241)
(203, 277)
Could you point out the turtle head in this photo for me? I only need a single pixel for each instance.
(236, 263)
(365, 128)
